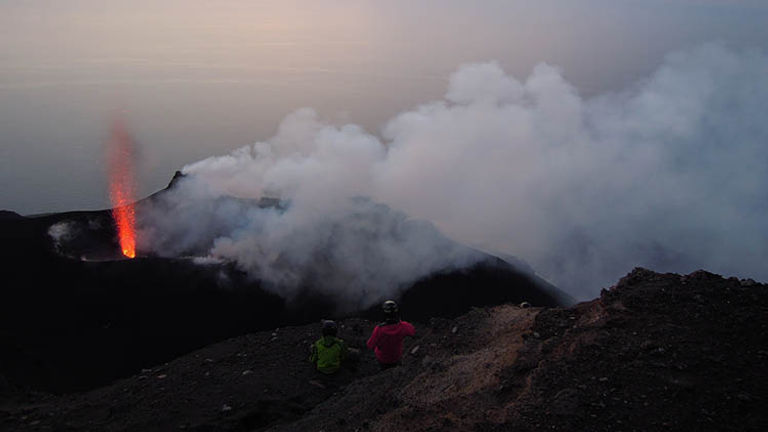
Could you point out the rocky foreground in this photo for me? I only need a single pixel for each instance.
(656, 352)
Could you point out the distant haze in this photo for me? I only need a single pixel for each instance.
(583, 137)
(197, 78)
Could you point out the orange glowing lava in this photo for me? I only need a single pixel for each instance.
(122, 190)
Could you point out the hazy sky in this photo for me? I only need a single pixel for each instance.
(197, 78)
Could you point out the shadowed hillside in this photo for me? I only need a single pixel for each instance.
(657, 352)
(76, 315)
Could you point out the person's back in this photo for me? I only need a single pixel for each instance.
(387, 337)
(328, 351)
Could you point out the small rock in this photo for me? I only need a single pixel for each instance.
(317, 384)
(274, 334)
(226, 408)
(209, 360)
(603, 379)
(415, 350)
(566, 402)
(247, 372)
(647, 344)
(536, 335)
(455, 329)
(162, 376)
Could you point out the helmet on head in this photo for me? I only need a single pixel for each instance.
(389, 307)
(329, 328)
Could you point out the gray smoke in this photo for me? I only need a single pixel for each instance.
(670, 174)
(358, 250)
(61, 233)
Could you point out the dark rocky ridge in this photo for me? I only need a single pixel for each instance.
(656, 352)
(75, 315)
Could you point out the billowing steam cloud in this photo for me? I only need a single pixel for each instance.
(671, 173)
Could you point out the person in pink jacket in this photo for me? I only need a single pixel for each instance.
(387, 337)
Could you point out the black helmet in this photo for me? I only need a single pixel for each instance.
(390, 307)
(329, 328)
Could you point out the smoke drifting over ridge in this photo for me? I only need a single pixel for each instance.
(671, 174)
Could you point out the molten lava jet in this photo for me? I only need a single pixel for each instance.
(122, 190)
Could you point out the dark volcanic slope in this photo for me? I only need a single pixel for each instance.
(657, 352)
(239, 384)
(68, 324)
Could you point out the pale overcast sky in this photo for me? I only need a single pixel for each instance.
(198, 78)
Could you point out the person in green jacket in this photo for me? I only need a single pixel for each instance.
(328, 351)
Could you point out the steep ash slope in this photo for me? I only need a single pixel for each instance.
(656, 352)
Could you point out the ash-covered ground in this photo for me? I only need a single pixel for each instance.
(656, 352)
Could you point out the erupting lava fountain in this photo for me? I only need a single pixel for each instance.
(122, 190)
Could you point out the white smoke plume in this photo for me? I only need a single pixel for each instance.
(671, 174)
(61, 233)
